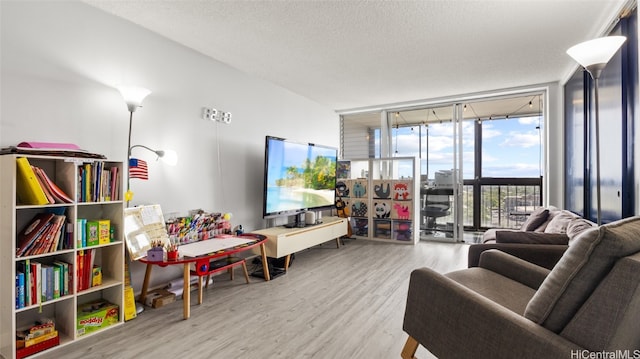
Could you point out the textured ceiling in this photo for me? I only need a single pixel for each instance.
(352, 54)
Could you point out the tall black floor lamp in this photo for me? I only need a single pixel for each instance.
(594, 55)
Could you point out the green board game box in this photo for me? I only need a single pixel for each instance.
(96, 315)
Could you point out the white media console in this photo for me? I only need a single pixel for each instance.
(282, 241)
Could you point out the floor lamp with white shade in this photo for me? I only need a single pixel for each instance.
(594, 55)
(133, 96)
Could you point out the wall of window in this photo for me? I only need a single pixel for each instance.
(502, 153)
(618, 102)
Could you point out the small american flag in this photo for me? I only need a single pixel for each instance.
(138, 169)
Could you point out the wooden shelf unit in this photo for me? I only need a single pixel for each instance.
(64, 172)
(382, 197)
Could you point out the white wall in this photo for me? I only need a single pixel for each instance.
(60, 62)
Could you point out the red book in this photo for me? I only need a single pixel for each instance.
(41, 242)
(32, 232)
(51, 187)
(52, 245)
(46, 190)
(87, 269)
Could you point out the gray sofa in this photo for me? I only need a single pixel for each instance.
(510, 308)
(542, 239)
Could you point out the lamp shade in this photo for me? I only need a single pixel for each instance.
(170, 157)
(133, 96)
(597, 51)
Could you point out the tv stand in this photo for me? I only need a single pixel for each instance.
(304, 225)
(282, 241)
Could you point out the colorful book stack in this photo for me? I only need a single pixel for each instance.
(38, 282)
(92, 232)
(47, 232)
(88, 274)
(98, 184)
(34, 187)
(37, 337)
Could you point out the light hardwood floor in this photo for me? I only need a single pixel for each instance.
(333, 303)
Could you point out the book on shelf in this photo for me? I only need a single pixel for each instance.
(46, 190)
(88, 268)
(46, 275)
(25, 267)
(40, 282)
(56, 281)
(35, 285)
(57, 194)
(64, 277)
(20, 300)
(92, 233)
(58, 221)
(87, 178)
(39, 241)
(48, 237)
(28, 188)
(115, 183)
(69, 235)
(43, 240)
(85, 268)
(81, 233)
(97, 183)
(104, 229)
(32, 231)
(80, 269)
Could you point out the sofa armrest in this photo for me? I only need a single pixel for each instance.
(544, 255)
(452, 321)
(521, 271)
(531, 237)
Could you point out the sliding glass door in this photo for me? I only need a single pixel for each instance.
(434, 135)
(481, 162)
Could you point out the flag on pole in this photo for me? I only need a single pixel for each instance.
(138, 169)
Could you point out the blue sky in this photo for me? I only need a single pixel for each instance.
(511, 147)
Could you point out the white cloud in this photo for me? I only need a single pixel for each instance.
(489, 131)
(511, 170)
(534, 120)
(521, 139)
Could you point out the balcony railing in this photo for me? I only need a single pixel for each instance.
(503, 203)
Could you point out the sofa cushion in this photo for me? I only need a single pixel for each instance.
(531, 237)
(552, 212)
(535, 219)
(560, 221)
(589, 258)
(490, 235)
(500, 289)
(577, 226)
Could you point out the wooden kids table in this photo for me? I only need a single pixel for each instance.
(207, 262)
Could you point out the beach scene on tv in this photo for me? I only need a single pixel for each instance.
(300, 176)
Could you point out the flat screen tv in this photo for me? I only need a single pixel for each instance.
(298, 177)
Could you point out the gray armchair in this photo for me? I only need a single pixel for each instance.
(507, 307)
(542, 240)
